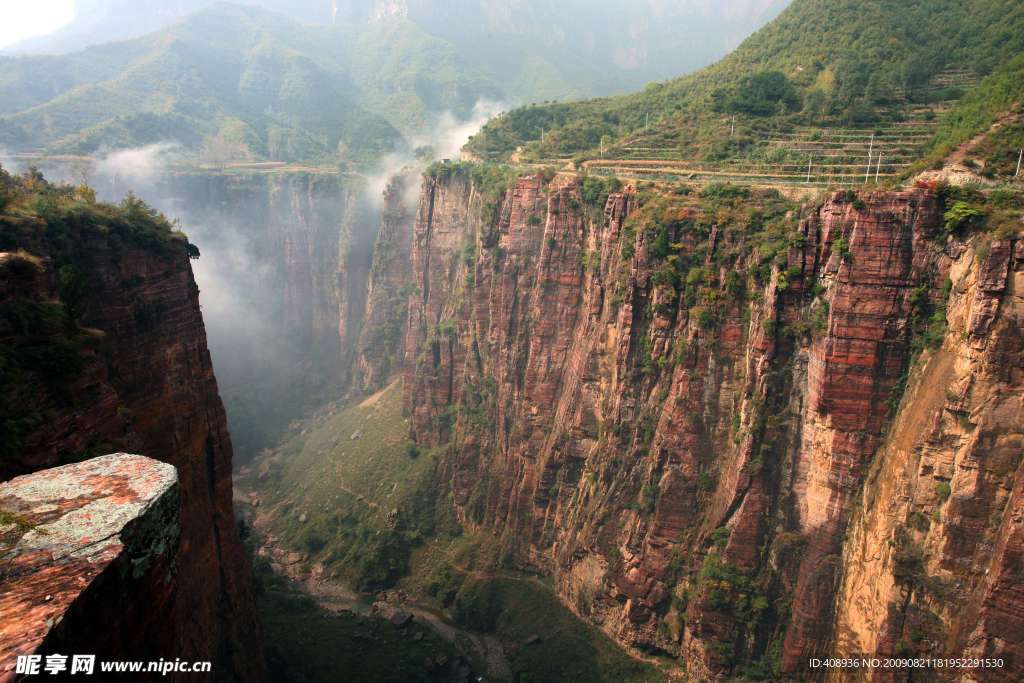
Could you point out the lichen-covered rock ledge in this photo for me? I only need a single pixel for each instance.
(87, 557)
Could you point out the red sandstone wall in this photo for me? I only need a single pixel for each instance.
(149, 387)
(614, 479)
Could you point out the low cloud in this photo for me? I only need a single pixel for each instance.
(452, 133)
(7, 161)
(138, 164)
(447, 137)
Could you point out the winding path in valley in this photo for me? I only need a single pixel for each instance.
(336, 598)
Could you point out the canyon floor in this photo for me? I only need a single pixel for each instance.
(348, 546)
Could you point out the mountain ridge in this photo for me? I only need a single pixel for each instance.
(403, 68)
(851, 62)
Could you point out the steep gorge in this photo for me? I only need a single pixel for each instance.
(286, 258)
(687, 409)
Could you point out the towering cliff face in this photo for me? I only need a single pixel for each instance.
(382, 340)
(934, 551)
(679, 407)
(284, 279)
(105, 347)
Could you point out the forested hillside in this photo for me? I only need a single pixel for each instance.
(242, 82)
(230, 76)
(848, 62)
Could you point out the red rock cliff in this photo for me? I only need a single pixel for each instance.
(136, 375)
(678, 406)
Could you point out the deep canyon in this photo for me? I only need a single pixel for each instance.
(706, 382)
(726, 427)
(712, 465)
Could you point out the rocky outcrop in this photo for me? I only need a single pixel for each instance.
(679, 406)
(89, 544)
(134, 374)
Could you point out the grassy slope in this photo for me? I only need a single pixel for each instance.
(845, 59)
(519, 611)
(997, 93)
(345, 488)
(545, 641)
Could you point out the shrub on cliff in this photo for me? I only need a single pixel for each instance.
(594, 190)
(960, 216)
(71, 215)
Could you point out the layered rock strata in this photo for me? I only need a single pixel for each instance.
(693, 451)
(382, 341)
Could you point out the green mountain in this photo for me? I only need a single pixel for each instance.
(239, 81)
(580, 48)
(835, 63)
(538, 50)
(231, 81)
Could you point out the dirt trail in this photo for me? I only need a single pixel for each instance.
(486, 648)
(954, 167)
(960, 154)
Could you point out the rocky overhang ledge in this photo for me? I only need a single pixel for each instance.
(76, 543)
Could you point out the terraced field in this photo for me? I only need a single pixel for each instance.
(790, 156)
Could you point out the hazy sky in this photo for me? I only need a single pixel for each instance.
(21, 19)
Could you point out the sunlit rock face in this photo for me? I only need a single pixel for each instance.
(88, 560)
(790, 475)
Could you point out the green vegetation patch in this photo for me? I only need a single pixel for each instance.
(352, 493)
(309, 644)
(490, 180)
(550, 643)
(67, 217)
(979, 108)
(677, 228)
(837, 63)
